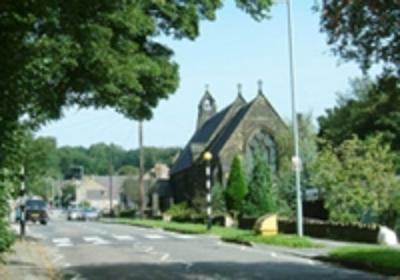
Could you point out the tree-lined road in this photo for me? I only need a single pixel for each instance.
(111, 251)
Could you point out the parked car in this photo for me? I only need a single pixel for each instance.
(36, 211)
(75, 214)
(91, 214)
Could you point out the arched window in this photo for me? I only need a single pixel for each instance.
(261, 142)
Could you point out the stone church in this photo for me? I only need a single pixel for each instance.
(242, 128)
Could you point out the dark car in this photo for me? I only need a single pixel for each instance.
(36, 211)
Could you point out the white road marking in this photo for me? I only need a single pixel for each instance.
(183, 236)
(311, 262)
(95, 240)
(123, 237)
(164, 257)
(62, 242)
(153, 236)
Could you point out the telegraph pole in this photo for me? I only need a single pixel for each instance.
(111, 170)
(141, 170)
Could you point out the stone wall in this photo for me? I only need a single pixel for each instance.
(324, 229)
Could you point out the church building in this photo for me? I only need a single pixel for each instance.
(242, 128)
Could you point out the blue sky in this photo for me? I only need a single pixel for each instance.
(233, 49)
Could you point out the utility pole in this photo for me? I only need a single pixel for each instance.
(141, 170)
(111, 170)
(22, 205)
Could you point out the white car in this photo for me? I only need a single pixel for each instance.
(75, 214)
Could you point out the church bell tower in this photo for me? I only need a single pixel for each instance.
(207, 108)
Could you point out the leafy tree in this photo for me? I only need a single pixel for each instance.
(368, 109)
(128, 170)
(68, 194)
(40, 162)
(260, 198)
(236, 189)
(97, 53)
(358, 179)
(364, 31)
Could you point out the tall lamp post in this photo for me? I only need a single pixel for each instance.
(207, 157)
(296, 158)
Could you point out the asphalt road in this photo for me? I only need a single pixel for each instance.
(90, 250)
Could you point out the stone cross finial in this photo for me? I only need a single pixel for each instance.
(239, 86)
(207, 87)
(260, 86)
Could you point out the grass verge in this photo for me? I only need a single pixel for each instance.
(373, 258)
(246, 237)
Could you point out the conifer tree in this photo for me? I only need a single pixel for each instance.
(236, 189)
(261, 197)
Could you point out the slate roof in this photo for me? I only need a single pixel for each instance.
(230, 117)
(201, 136)
(228, 130)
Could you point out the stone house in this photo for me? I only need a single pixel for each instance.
(97, 191)
(242, 128)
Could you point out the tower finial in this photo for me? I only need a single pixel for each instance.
(207, 87)
(239, 87)
(260, 86)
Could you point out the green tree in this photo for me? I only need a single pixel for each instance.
(286, 191)
(367, 109)
(68, 195)
(260, 198)
(97, 53)
(358, 179)
(236, 189)
(128, 170)
(364, 31)
(40, 162)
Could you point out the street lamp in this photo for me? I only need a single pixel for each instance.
(296, 158)
(207, 157)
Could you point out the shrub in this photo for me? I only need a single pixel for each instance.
(128, 213)
(181, 211)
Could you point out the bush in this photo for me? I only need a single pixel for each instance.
(127, 213)
(181, 211)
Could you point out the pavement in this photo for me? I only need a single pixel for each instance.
(89, 250)
(28, 260)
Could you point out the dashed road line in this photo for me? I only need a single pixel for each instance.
(62, 242)
(164, 257)
(154, 236)
(123, 237)
(96, 240)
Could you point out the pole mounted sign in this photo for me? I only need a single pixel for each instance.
(297, 164)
